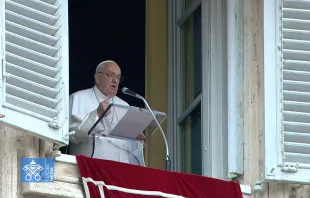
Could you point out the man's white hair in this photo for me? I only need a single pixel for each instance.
(103, 63)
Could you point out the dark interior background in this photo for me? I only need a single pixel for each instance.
(107, 30)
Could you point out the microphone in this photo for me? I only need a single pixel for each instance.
(127, 91)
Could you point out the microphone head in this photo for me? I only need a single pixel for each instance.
(127, 91)
(124, 90)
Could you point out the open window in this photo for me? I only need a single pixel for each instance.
(35, 58)
(198, 87)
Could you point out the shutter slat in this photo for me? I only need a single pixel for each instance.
(30, 54)
(296, 44)
(296, 137)
(297, 157)
(296, 4)
(31, 106)
(297, 97)
(31, 65)
(52, 2)
(39, 5)
(296, 65)
(296, 55)
(296, 106)
(30, 33)
(295, 116)
(296, 75)
(296, 127)
(33, 97)
(297, 24)
(31, 75)
(30, 12)
(290, 85)
(30, 44)
(30, 23)
(296, 34)
(293, 147)
(32, 86)
(292, 13)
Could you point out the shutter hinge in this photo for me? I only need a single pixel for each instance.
(290, 167)
(55, 125)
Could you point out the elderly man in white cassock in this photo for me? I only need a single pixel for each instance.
(86, 106)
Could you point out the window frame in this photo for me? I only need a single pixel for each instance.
(212, 98)
(181, 114)
(272, 64)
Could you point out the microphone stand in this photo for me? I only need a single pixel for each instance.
(161, 130)
(157, 123)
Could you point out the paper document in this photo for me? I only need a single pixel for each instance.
(132, 124)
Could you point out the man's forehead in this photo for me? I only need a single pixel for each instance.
(112, 67)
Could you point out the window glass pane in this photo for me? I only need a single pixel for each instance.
(191, 59)
(187, 3)
(190, 143)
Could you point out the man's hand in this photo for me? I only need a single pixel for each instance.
(102, 107)
(140, 136)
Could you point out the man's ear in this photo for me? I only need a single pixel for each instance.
(96, 76)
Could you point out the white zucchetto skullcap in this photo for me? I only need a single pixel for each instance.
(104, 62)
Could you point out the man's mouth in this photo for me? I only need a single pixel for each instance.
(113, 86)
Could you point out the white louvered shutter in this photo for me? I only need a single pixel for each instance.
(35, 67)
(293, 113)
(296, 81)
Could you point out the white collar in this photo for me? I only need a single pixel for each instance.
(100, 96)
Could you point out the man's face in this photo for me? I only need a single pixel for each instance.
(108, 79)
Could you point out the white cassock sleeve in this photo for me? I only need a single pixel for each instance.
(81, 123)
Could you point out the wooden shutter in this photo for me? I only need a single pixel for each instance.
(35, 67)
(296, 81)
(287, 131)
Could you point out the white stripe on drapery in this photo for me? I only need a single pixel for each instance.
(86, 187)
(100, 185)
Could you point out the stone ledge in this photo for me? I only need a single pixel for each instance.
(70, 159)
(67, 181)
(67, 172)
(55, 189)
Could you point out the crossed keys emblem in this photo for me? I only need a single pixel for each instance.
(33, 169)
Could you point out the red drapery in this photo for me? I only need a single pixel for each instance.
(120, 180)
